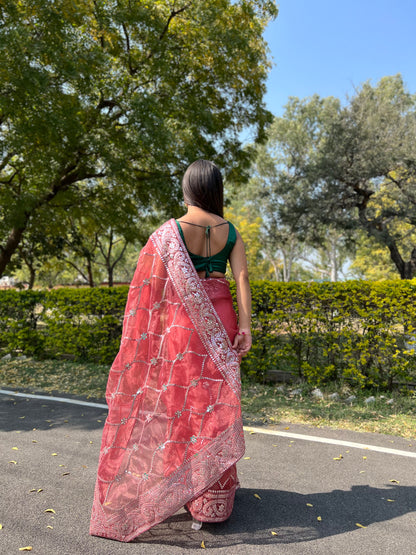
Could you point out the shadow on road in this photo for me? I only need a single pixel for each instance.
(18, 413)
(290, 515)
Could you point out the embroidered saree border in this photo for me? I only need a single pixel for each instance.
(162, 501)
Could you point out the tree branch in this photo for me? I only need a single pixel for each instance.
(173, 14)
(405, 192)
(77, 269)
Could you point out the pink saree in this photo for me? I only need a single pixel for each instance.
(174, 430)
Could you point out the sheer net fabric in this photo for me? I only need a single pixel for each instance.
(174, 429)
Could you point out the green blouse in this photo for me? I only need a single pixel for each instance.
(218, 261)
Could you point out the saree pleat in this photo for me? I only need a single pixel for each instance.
(174, 430)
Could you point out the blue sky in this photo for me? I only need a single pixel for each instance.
(330, 47)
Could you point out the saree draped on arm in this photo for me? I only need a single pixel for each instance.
(174, 430)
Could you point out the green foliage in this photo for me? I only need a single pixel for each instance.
(83, 324)
(103, 104)
(80, 324)
(358, 332)
(19, 315)
(351, 167)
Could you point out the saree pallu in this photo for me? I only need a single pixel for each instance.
(174, 430)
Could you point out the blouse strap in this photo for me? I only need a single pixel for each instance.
(204, 226)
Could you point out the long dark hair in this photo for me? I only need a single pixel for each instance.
(202, 186)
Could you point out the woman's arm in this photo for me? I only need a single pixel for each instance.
(238, 261)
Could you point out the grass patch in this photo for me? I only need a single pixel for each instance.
(265, 404)
(261, 404)
(86, 380)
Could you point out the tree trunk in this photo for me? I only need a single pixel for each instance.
(110, 275)
(10, 248)
(32, 277)
(333, 259)
(409, 268)
(90, 276)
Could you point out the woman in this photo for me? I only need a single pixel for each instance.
(174, 430)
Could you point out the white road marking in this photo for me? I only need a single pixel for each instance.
(318, 439)
(302, 437)
(58, 399)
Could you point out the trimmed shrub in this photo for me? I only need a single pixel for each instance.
(79, 324)
(359, 331)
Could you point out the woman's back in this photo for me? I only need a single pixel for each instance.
(195, 234)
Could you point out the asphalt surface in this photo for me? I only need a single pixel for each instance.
(297, 496)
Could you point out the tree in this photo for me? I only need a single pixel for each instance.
(357, 170)
(314, 251)
(129, 92)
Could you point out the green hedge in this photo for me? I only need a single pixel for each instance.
(357, 331)
(79, 324)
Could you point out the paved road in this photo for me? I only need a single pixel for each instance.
(297, 496)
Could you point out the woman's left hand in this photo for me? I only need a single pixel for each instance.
(242, 343)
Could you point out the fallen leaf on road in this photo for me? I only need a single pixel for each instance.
(28, 548)
(12, 462)
(257, 496)
(65, 474)
(50, 511)
(49, 526)
(203, 544)
(287, 428)
(247, 458)
(319, 518)
(338, 458)
(309, 505)
(15, 449)
(1, 526)
(273, 533)
(34, 441)
(360, 525)
(54, 454)
(251, 433)
(391, 500)
(394, 481)
(364, 458)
